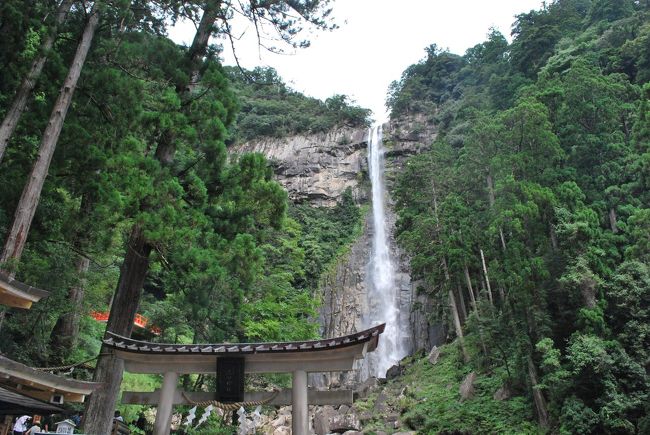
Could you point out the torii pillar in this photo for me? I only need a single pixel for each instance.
(299, 404)
(164, 411)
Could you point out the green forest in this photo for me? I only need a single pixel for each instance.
(526, 221)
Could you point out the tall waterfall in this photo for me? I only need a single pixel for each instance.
(383, 295)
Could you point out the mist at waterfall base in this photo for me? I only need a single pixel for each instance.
(383, 303)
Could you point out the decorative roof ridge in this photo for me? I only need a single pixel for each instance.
(130, 345)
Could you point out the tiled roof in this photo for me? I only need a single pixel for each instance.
(12, 402)
(129, 345)
(22, 374)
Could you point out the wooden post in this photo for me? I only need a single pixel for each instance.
(164, 412)
(299, 406)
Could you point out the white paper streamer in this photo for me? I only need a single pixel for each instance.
(191, 416)
(206, 414)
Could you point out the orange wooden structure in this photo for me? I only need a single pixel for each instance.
(140, 321)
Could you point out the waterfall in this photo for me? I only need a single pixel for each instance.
(383, 295)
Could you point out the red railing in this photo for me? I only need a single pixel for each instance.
(140, 321)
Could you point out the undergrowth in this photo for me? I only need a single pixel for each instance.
(428, 401)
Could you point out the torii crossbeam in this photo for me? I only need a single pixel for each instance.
(298, 358)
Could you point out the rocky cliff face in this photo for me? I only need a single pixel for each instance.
(405, 137)
(318, 169)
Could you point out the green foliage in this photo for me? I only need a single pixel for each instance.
(214, 426)
(330, 231)
(628, 309)
(433, 80)
(269, 108)
(607, 10)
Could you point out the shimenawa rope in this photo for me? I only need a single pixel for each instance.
(231, 406)
(68, 367)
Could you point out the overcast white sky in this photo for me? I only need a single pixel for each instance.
(376, 41)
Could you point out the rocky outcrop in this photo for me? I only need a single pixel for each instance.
(328, 420)
(344, 290)
(467, 388)
(316, 168)
(434, 355)
(404, 137)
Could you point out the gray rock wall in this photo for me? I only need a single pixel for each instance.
(316, 168)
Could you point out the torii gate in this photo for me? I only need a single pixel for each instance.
(298, 358)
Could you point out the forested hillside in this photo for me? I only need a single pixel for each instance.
(528, 220)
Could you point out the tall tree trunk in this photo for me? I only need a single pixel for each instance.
(475, 304)
(66, 330)
(100, 406)
(19, 103)
(457, 325)
(98, 415)
(491, 199)
(454, 312)
(612, 220)
(503, 239)
(538, 397)
(200, 42)
(553, 237)
(461, 301)
(452, 301)
(487, 278)
(64, 335)
(99, 409)
(490, 187)
(468, 280)
(26, 208)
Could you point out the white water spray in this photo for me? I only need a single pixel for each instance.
(383, 296)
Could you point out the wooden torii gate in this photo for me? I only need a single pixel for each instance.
(297, 358)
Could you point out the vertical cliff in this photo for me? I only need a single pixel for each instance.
(317, 168)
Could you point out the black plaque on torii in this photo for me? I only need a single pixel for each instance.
(230, 379)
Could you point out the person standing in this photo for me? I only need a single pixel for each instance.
(21, 425)
(33, 430)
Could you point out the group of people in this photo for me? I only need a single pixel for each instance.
(26, 425)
